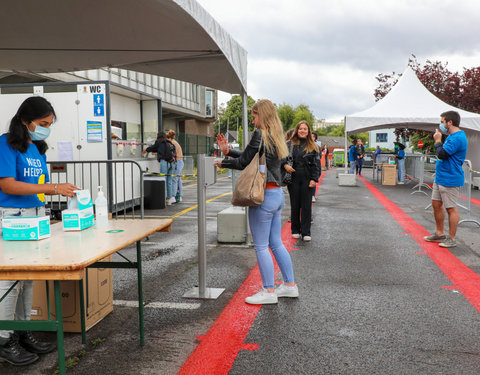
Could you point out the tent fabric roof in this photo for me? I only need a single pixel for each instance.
(170, 38)
(409, 104)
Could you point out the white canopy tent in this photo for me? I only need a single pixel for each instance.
(170, 38)
(409, 104)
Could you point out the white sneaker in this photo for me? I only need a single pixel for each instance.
(287, 291)
(307, 238)
(401, 182)
(263, 297)
(173, 200)
(168, 202)
(313, 199)
(296, 235)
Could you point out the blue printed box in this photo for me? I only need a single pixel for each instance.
(26, 228)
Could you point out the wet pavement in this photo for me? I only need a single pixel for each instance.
(374, 298)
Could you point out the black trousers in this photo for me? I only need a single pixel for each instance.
(301, 204)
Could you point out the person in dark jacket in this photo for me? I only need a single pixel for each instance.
(265, 219)
(306, 171)
(360, 154)
(162, 147)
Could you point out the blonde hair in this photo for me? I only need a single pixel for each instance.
(271, 126)
(310, 145)
(171, 134)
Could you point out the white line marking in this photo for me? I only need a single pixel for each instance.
(160, 305)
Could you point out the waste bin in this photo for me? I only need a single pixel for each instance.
(154, 192)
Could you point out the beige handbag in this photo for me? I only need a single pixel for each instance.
(250, 186)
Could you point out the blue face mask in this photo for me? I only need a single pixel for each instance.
(443, 129)
(39, 134)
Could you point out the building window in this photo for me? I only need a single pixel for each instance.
(209, 103)
(382, 137)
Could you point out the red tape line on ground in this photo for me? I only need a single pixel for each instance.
(219, 347)
(463, 278)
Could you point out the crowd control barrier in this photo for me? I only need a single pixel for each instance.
(415, 171)
(466, 194)
(122, 182)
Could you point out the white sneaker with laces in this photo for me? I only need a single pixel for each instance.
(307, 238)
(296, 235)
(313, 199)
(287, 291)
(263, 297)
(173, 200)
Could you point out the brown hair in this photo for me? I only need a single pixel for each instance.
(171, 134)
(310, 145)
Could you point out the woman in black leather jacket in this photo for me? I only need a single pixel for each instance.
(305, 171)
(265, 219)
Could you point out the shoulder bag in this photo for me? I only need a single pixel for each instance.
(287, 176)
(250, 186)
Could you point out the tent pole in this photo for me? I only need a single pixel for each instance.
(345, 151)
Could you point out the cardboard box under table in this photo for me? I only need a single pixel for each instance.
(389, 174)
(98, 299)
(66, 256)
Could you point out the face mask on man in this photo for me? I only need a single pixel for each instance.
(443, 128)
(40, 133)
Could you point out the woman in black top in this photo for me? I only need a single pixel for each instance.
(305, 171)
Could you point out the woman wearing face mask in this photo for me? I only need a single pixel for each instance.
(265, 220)
(305, 171)
(24, 182)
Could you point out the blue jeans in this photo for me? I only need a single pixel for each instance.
(266, 227)
(401, 169)
(167, 168)
(177, 181)
(352, 166)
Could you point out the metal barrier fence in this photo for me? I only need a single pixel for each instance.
(193, 144)
(122, 182)
(415, 170)
(466, 193)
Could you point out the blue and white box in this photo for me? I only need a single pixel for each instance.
(79, 214)
(27, 228)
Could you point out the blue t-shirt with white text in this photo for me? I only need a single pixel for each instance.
(29, 167)
(449, 172)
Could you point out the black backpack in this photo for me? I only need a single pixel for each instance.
(169, 154)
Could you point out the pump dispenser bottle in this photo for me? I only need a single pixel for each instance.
(101, 209)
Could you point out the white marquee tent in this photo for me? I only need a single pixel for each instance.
(410, 105)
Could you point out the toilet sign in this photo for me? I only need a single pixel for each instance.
(420, 144)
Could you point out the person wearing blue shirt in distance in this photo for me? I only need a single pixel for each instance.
(378, 151)
(449, 177)
(24, 182)
(400, 157)
(352, 157)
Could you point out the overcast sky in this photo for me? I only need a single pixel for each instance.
(327, 53)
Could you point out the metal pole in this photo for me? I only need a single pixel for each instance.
(248, 234)
(202, 215)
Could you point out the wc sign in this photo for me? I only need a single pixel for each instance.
(97, 92)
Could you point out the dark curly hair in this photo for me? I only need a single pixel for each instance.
(32, 108)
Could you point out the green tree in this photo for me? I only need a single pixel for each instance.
(286, 113)
(302, 112)
(232, 113)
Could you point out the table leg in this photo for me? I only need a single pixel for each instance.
(60, 344)
(140, 292)
(82, 312)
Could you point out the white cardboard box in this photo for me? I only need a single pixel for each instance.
(23, 228)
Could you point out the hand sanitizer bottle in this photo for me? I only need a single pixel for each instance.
(101, 209)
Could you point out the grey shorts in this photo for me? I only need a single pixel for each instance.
(448, 195)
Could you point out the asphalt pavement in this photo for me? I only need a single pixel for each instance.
(374, 298)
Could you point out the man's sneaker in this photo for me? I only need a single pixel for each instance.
(307, 238)
(435, 238)
(262, 298)
(12, 352)
(313, 199)
(448, 243)
(295, 235)
(173, 200)
(287, 291)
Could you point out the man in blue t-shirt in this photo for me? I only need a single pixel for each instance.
(449, 177)
(352, 157)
